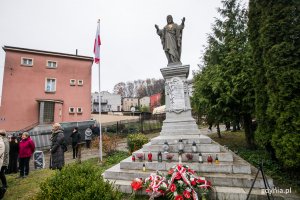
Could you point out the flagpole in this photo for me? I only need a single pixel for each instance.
(100, 127)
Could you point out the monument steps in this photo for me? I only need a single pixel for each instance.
(222, 156)
(206, 148)
(189, 139)
(217, 179)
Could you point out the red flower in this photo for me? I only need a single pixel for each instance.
(178, 176)
(200, 181)
(179, 197)
(148, 190)
(187, 194)
(136, 184)
(173, 188)
(171, 171)
(191, 171)
(193, 182)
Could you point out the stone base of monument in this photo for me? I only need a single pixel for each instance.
(231, 178)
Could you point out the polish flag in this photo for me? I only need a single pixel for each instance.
(97, 45)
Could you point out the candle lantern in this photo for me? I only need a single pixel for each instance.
(209, 159)
(159, 157)
(133, 158)
(180, 146)
(150, 157)
(194, 147)
(217, 159)
(180, 157)
(166, 147)
(144, 167)
(200, 158)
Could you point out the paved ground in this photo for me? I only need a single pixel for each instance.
(113, 118)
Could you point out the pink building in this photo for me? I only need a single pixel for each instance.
(42, 87)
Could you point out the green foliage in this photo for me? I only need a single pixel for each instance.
(78, 181)
(136, 141)
(274, 36)
(223, 88)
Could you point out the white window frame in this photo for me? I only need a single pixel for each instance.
(26, 64)
(70, 110)
(50, 66)
(80, 82)
(79, 110)
(46, 86)
(72, 82)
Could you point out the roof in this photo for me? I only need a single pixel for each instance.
(51, 53)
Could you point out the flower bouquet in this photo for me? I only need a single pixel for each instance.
(140, 156)
(184, 184)
(156, 185)
(189, 156)
(169, 157)
(137, 184)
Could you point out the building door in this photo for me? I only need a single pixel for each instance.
(48, 114)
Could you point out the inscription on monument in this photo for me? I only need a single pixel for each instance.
(175, 89)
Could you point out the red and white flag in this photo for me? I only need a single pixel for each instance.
(97, 45)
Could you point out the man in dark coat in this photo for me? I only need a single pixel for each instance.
(57, 160)
(75, 135)
(13, 155)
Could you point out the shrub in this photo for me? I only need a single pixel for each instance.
(136, 141)
(109, 143)
(78, 181)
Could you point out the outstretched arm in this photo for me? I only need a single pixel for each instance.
(182, 22)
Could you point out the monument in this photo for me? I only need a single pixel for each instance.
(180, 140)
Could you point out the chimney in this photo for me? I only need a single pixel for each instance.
(76, 52)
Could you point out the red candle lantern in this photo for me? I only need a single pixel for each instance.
(133, 158)
(150, 157)
(209, 159)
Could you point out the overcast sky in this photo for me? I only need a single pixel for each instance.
(130, 48)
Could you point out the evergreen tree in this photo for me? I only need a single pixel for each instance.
(274, 34)
(223, 89)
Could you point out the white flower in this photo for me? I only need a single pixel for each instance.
(180, 182)
(175, 194)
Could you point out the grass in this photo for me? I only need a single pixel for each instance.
(237, 143)
(27, 188)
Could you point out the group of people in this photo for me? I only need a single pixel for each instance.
(88, 136)
(17, 149)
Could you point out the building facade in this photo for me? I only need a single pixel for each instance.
(42, 87)
(145, 102)
(109, 102)
(129, 102)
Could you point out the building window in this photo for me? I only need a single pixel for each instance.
(27, 61)
(79, 110)
(50, 85)
(51, 64)
(71, 110)
(72, 82)
(80, 82)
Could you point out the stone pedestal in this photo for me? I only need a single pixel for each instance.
(178, 106)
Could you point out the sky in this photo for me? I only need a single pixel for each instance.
(130, 49)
